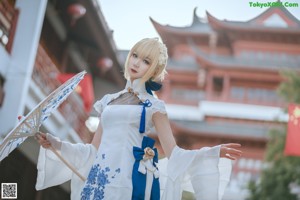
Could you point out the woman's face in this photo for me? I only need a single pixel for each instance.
(138, 66)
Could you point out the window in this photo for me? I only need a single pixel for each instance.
(218, 85)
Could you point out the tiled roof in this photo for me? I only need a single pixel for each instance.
(251, 60)
(227, 128)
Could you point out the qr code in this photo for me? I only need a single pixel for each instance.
(9, 191)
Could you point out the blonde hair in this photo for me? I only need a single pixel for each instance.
(156, 51)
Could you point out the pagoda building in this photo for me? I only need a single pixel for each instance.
(222, 81)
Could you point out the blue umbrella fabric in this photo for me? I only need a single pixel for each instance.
(31, 123)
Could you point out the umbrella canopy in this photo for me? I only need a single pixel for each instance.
(29, 125)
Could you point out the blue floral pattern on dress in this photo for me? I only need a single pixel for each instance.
(97, 180)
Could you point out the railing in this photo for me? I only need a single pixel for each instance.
(8, 22)
(44, 74)
(245, 95)
(189, 95)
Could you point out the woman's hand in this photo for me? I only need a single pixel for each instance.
(230, 151)
(47, 140)
(41, 138)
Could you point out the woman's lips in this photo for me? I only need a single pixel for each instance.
(133, 70)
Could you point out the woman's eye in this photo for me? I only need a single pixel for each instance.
(147, 62)
(134, 55)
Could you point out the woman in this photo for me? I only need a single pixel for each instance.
(125, 165)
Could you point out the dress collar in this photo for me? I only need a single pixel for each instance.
(137, 86)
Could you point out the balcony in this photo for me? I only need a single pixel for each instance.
(8, 21)
(44, 76)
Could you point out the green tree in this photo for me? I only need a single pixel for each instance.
(281, 171)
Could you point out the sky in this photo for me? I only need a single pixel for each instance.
(130, 21)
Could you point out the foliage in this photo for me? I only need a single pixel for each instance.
(290, 89)
(281, 171)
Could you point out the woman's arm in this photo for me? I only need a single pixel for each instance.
(97, 137)
(165, 135)
(166, 138)
(46, 140)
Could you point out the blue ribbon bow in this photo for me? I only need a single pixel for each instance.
(152, 86)
(138, 178)
(145, 104)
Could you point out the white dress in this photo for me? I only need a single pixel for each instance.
(112, 175)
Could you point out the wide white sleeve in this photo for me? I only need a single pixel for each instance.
(157, 106)
(100, 104)
(207, 173)
(52, 171)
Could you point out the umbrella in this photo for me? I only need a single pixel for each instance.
(30, 124)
